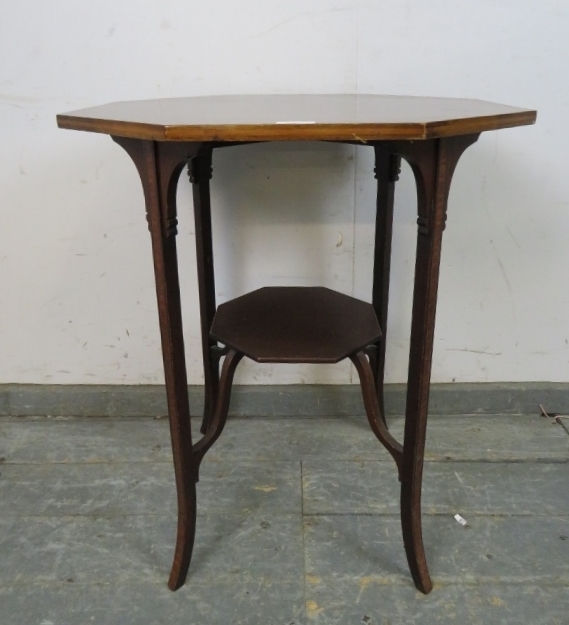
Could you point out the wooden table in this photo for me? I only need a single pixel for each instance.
(296, 324)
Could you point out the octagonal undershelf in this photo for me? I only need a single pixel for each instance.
(295, 325)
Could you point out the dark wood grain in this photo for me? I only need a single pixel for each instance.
(296, 324)
(359, 118)
(433, 163)
(373, 409)
(159, 167)
(200, 172)
(219, 417)
(387, 168)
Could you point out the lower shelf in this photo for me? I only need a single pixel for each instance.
(296, 325)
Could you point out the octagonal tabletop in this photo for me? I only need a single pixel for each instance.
(296, 324)
(357, 118)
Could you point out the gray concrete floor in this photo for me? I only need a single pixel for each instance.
(298, 523)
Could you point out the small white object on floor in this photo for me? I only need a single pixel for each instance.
(460, 519)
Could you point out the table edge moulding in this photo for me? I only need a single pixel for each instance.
(296, 324)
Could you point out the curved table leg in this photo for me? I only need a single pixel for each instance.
(159, 166)
(433, 163)
(219, 418)
(373, 410)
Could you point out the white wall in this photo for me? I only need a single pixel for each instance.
(75, 269)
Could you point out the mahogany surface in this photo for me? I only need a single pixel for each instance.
(296, 324)
(358, 118)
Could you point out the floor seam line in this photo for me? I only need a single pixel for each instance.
(304, 573)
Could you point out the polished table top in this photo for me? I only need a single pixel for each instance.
(296, 117)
